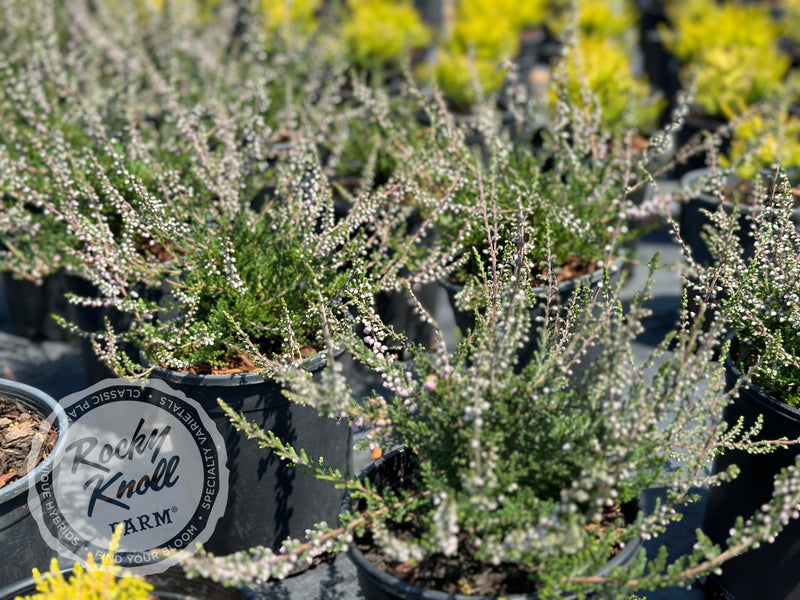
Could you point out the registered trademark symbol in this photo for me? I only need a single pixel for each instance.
(152, 430)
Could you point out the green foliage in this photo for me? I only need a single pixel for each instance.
(191, 11)
(789, 19)
(729, 80)
(463, 79)
(699, 26)
(604, 18)
(517, 461)
(571, 195)
(524, 14)
(192, 184)
(289, 20)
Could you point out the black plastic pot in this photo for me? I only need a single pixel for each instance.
(268, 500)
(170, 585)
(660, 65)
(693, 126)
(32, 305)
(21, 546)
(391, 471)
(770, 571)
(96, 369)
(693, 221)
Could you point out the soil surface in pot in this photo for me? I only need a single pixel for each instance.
(236, 364)
(462, 574)
(18, 426)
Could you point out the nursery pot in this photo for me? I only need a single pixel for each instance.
(268, 500)
(170, 585)
(693, 220)
(769, 571)
(96, 369)
(392, 470)
(693, 125)
(21, 546)
(32, 305)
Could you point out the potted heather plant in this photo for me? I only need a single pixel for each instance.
(171, 225)
(760, 140)
(36, 273)
(43, 121)
(518, 480)
(576, 192)
(755, 286)
(249, 280)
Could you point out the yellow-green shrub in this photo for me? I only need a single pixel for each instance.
(704, 25)
(189, 11)
(482, 38)
(378, 33)
(529, 13)
(602, 66)
(607, 18)
(731, 79)
(105, 581)
(731, 50)
(455, 74)
(762, 139)
(290, 19)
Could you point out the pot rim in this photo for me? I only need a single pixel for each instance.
(311, 364)
(566, 285)
(362, 563)
(758, 395)
(49, 407)
(691, 178)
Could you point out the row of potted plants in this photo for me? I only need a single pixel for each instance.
(238, 218)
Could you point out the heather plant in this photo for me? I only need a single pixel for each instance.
(758, 293)
(517, 465)
(361, 141)
(575, 191)
(57, 100)
(236, 276)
